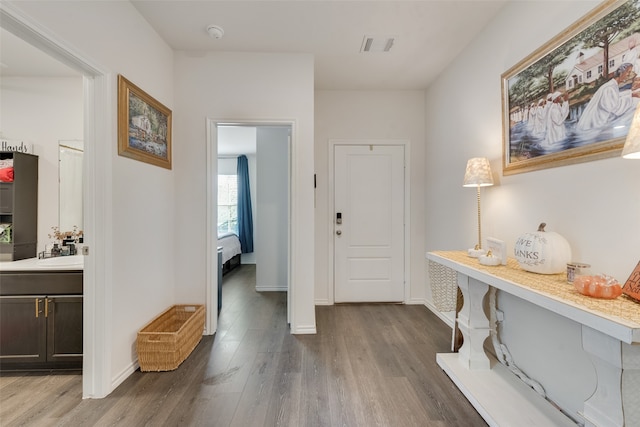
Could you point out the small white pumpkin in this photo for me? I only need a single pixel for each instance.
(542, 252)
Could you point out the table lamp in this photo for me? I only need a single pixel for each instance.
(478, 174)
(631, 149)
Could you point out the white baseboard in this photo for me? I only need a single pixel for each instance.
(270, 289)
(124, 374)
(304, 330)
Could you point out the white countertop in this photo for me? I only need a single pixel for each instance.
(73, 262)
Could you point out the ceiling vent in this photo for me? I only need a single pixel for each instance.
(377, 43)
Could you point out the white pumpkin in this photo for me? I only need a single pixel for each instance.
(544, 252)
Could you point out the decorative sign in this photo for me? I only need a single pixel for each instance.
(8, 145)
(632, 286)
(498, 248)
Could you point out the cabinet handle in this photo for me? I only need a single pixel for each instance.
(46, 307)
(37, 307)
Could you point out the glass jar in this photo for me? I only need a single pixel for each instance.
(576, 269)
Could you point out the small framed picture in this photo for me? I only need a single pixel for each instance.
(498, 248)
(144, 126)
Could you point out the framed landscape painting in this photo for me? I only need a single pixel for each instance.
(574, 98)
(144, 126)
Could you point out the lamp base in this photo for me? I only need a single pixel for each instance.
(475, 253)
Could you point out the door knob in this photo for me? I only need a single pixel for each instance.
(338, 232)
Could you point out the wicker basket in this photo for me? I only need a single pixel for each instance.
(168, 339)
(444, 287)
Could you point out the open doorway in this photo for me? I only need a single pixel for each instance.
(96, 370)
(267, 148)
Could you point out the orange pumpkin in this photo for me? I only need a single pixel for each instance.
(598, 286)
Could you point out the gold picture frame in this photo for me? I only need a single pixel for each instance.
(144, 126)
(551, 100)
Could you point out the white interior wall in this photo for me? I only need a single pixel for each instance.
(142, 222)
(227, 166)
(272, 222)
(377, 115)
(592, 204)
(41, 112)
(244, 87)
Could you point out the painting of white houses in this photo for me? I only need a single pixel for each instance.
(588, 70)
(581, 93)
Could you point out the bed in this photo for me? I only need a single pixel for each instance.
(230, 244)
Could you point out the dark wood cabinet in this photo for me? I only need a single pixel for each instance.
(23, 330)
(19, 207)
(42, 329)
(64, 329)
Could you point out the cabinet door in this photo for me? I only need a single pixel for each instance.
(64, 329)
(6, 198)
(22, 330)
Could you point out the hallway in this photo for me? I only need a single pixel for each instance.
(368, 365)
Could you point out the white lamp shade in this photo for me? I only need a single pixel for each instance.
(631, 149)
(478, 173)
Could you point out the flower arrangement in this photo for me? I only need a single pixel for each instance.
(60, 236)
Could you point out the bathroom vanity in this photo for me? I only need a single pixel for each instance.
(41, 314)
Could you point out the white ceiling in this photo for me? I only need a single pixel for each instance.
(429, 34)
(236, 140)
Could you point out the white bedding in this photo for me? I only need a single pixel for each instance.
(230, 246)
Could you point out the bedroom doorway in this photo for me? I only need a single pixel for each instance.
(267, 149)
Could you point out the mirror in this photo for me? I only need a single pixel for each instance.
(70, 184)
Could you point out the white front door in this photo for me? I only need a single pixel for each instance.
(368, 223)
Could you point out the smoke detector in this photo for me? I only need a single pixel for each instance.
(215, 32)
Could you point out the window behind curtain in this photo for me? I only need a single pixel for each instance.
(227, 204)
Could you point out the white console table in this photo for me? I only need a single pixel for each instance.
(610, 335)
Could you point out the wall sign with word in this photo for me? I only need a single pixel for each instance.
(12, 145)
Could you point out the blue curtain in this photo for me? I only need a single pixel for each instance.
(245, 219)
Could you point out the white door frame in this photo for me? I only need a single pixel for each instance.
(97, 195)
(211, 322)
(407, 207)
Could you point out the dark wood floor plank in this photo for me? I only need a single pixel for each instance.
(217, 411)
(253, 407)
(345, 403)
(284, 405)
(314, 409)
(64, 390)
(368, 365)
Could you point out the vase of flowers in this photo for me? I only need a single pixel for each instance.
(66, 238)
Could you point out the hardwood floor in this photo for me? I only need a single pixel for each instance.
(368, 365)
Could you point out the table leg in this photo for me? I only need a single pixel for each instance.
(616, 401)
(473, 323)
